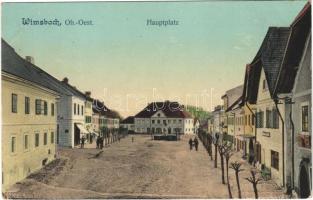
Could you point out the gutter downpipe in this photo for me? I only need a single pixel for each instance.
(283, 138)
(292, 148)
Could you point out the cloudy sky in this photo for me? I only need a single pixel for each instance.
(127, 63)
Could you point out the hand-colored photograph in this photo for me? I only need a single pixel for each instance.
(156, 100)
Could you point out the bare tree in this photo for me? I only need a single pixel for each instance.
(236, 166)
(254, 181)
(228, 154)
(215, 145)
(210, 146)
(221, 149)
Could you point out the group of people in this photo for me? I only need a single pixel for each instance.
(193, 142)
(99, 142)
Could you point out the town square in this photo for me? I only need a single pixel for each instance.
(118, 100)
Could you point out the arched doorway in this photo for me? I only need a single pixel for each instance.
(304, 182)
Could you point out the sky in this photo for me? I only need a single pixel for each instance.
(127, 63)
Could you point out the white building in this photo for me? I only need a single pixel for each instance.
(71, 111)
(164, 118)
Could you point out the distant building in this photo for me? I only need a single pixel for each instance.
(229, 98)
(164, 118)
(129, 124)
(218, 120)
(106, 122)
(29, 117)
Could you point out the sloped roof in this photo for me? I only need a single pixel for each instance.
(99, 107)
(128, 120)
(170, 109)
(300, 31)
(270, 57)
(14, 64)
(235, 105)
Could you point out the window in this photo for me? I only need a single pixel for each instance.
(249, 120)
(158, 121)
(305, 118)
(253, 119)
(52, 138)
(82, 110)
(88, 119)
(36, 139)
(52, 109)
(74, 108)
(152, 121)
(14, 103)
(26, 105)
(25, 142)
(275, 118)
(272, 119)
(259, 119)
(45, 138)
(274, 159)
(264, 85)
(58, 134)
(45, 108)
(13, 144)
(268, 119)
(38, 106)
(77, 109)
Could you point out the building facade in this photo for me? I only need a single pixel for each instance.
(28, 118)
(164, 118)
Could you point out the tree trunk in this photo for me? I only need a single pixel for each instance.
(255, 191)
(228, 184)
(238, 185)
(222, 167)
(215, 159)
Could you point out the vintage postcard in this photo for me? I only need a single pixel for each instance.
(145, 99)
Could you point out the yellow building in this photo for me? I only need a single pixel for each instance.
(28, 118)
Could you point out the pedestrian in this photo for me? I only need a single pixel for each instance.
(82, 142)
(190, 144)
(119, 138)
(101, 143)
(132, 138)
(98, 142)
(196, 143)
(90, 139)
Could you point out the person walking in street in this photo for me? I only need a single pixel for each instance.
(98, 142)
(101, 143)
(196, 143)
(132, 138)
(190, 144)
(82, 142)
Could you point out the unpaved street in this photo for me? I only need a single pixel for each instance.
(143, 168)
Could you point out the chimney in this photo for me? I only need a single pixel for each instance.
(30, 59)
(88, 93)
(65, 80)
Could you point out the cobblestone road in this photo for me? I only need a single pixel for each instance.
(143, 168)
